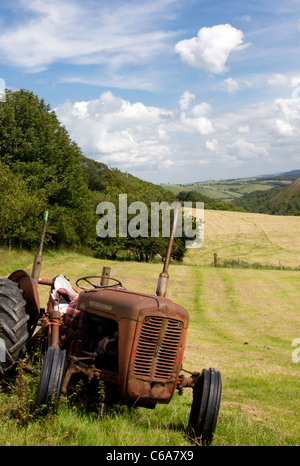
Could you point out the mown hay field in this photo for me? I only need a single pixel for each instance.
(266, 239)
(243, 322)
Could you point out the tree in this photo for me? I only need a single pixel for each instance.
(43, 169)
(19, 210)
(35, 146)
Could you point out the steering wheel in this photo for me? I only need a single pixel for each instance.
(86, 279)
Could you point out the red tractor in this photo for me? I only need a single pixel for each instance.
(131, 341)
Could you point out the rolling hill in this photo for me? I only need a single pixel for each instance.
(232, 189)
(276, 201)
(272, 194)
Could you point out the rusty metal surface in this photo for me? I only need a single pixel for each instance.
(162, 283)
(115, 302)
(44, 281)
(156, 358)
(151, 338)
(89, 371)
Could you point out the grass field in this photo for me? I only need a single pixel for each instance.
(266, 239)
(242, 322)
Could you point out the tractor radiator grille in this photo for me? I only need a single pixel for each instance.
(157, 348)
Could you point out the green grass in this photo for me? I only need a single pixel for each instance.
(242, 322)
(114, 426)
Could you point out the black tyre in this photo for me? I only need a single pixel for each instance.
(13, 325)
(51, 378)
(205, 406)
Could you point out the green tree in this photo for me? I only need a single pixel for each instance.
(19, 210)
(36, 146)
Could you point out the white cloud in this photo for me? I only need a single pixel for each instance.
(295, 81)
(278, 80)
(84, 33)
(232, 85)
(194, 119)
(150, 140)
(284, 128)
(201, 109)
(185, 100)
(246, 150)
(246, 18)
(116, 131)
(211, 144)
(211, 48)
(235, 85)
(200, 124)
(243, 129)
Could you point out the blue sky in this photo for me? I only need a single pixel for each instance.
(170, 91)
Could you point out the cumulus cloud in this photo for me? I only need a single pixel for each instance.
(200, 124)
(283, 127)
(211, 48)
(246, 150)
(185, 100)
(150, 140)
(115, 130)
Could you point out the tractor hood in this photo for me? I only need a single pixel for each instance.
(119, 303)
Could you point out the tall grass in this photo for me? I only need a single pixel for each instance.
(74, 425)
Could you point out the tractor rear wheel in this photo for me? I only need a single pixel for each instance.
(13, 325)
(205, 406)
(51, 378)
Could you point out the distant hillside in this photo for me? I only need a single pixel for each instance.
(276, 201)
(211, 204)
(286, 194)
(272, 194)
(102, 179)
(233, 189)
(291, 175)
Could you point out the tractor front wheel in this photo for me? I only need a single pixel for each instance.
(51, 378)
(205, 406)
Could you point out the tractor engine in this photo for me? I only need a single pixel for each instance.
(99, 336)
(133, 340)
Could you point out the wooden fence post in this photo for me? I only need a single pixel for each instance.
(105, 276)
(215, 259)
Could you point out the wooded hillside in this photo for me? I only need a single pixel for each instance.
(41, 168)
(275, 201)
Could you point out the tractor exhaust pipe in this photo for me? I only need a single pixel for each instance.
(37, 264)
(164, 276)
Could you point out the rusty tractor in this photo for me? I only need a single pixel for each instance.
(100, 331)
